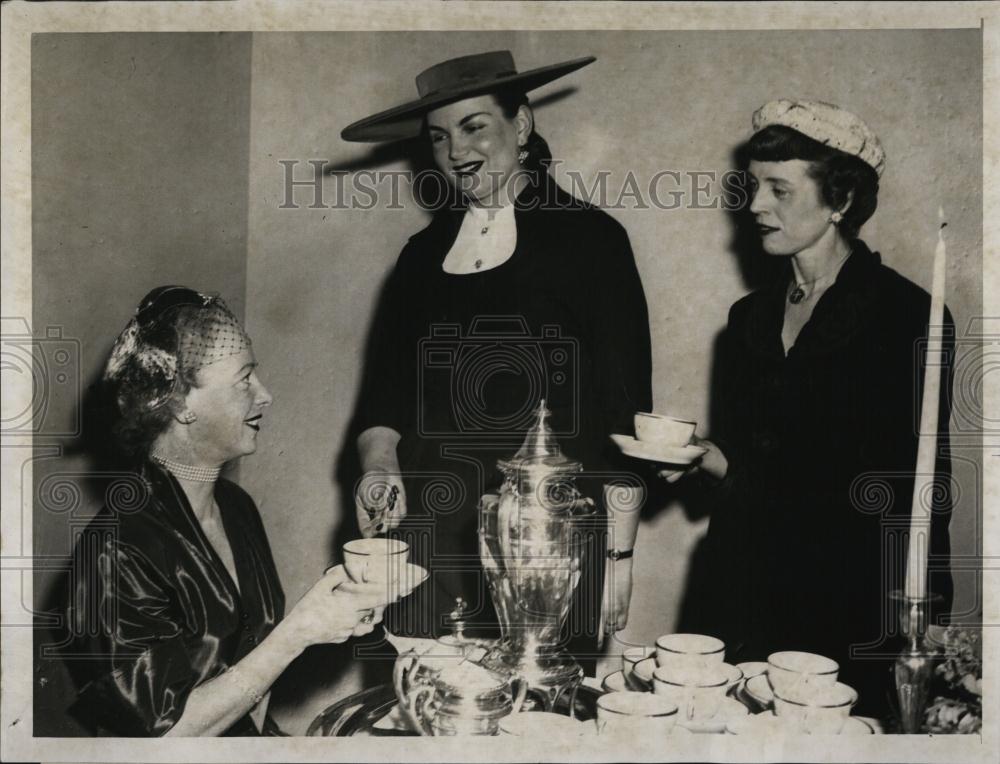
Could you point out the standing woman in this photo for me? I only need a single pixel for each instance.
(517, 269)
(816, 435)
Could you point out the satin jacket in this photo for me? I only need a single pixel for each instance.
(156, 610)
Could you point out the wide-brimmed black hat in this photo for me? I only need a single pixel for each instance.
(454, 80)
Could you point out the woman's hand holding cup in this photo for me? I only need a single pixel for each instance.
(328, 613)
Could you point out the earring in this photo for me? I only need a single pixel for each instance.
(189, 417)
(836, 217)
(522, 156)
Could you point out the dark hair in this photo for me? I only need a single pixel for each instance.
(837, 173)
(539, 155)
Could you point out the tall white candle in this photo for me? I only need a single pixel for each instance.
(916, 559)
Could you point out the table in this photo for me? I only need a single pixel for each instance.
(373, 713)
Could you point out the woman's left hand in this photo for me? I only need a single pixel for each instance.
(713, 462)
(617, 594)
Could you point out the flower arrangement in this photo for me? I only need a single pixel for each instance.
(957, 685)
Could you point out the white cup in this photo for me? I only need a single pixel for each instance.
(734, 674)
(816, 709)
(632, 655)
(633, 714)
(751, 669)
(659, 428)
(375, 560)
(698, 693)
(790, 668)
(689, 651)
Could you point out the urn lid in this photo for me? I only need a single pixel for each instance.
(540, 450)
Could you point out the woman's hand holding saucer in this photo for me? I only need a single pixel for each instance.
(713, 463)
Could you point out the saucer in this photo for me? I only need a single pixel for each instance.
(767, 723)
(760, 690)
(542, 724)
(857, 725)
(643, 673)
(657, 452)
(412, 576)
(729, 711)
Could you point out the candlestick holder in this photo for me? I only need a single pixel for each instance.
(915, 663)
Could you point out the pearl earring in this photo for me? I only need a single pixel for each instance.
(836, 217)
(189, 417)
(522, 156)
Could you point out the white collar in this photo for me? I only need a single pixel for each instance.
(483, 214)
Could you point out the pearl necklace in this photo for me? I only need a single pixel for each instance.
(186, 471)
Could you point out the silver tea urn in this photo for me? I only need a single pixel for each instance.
(532, 545)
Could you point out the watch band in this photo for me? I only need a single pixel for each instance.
(618, 554)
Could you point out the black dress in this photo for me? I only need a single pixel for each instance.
(157, 612)
(822, 445)
(460, 362)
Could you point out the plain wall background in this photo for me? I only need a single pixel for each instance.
(139, 170)
(654, 101)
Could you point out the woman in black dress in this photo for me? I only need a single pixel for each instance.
(517, 293)
(815, 439)
(177, 604)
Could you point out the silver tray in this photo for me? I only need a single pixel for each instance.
(359, 713)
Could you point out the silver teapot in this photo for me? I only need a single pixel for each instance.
(445, 690)
(452, 695)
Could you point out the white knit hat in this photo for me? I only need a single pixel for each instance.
(826, 123)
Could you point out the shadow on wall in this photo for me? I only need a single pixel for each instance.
(696, 496)
(298, 684)
(59, 674)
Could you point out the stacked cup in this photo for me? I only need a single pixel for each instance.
(630, 657)
(692, 672)
(807, 693)
(630, 715)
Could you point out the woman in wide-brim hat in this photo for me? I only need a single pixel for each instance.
(815, 428)
(521, 293)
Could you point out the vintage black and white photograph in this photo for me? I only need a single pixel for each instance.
(615, 385)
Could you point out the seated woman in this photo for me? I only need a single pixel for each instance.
(177, 601)
(815, 438)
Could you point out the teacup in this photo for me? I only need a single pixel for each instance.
(693, 651)
(614, 682)
(659, 428)
(632, 655)
(816, 709)
(631, 714)
(751, 669)
(698, 693)
(791, 668)
(375, 560)
(734, 674)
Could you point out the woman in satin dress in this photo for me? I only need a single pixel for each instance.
(177, 606)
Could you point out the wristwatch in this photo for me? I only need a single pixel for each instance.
(617, 554)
